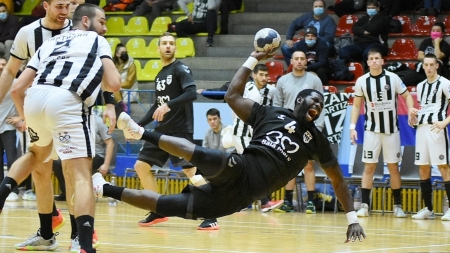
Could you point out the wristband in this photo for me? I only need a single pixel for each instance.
(250, 63)
(109, 97)
(352, 126)
(352, 218)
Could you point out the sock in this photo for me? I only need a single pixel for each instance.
(73, 224)
(311, 195)
(85, 225)
(114, 192)
(55, 211)
(7, 186)
(397, 196)
(151, 137)
(46, 225)
(365, 195)
(288, 196)
(425, 186)
(447, 189)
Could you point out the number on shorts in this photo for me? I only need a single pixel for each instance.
(368, 154)
(417, 156)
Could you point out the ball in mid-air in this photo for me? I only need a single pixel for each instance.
(267, 40)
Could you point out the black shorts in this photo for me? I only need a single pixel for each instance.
(153, 155)
(228, 190)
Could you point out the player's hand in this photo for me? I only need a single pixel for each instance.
(260, 55)
(110, 113)
(199, 91)
(353, 136)
(438, 126)
(103, 169)
(159, 113)
(290, 43)
(355, 231)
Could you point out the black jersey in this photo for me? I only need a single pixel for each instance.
(281, 147)
(169, 84)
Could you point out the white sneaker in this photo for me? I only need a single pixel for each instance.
(37, 243)
(12, 197)
(131, 130)
(29, 195)
(446, 216)
(398, 211)
(98, 181)
(75, 245)
(423, 214)
(363, 211)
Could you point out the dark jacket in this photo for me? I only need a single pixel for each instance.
(9, 28)
(377, 26)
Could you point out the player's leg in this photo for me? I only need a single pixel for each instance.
(371, 151)
(445, 172)
(310, 182)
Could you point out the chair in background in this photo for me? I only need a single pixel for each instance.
(27, 7)
(137, 48)
(402, 49)
(137, 63)
(185, 48)
(160, 25)
(345, 24)
(152, 49)
(356, 68)
(150, 70)
(276, 70)
(113, 42)
(137, 26)
(115, 26)
(423, 25)
(407, 27)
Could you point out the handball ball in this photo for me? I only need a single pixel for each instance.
(267, 40)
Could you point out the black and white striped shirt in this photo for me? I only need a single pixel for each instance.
(380, 100)
(30, 38)
(433, 99)
(72, 61)
(267, 95)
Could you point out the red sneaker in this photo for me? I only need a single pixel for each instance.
(58, 221)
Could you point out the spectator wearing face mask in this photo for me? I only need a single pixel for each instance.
(9, 26)
(370, 31)
(128, 77)
(316, 52)
(325, 25)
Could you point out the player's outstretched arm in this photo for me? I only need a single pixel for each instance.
(354, 231)
(240, 105)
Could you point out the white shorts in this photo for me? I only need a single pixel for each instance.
(58, 115)
(431, 147)
(374, 142)
(240, 143)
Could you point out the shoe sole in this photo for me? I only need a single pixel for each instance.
(154, 222)
(282, 211)
(268, 209)
(120, 120)
(208, 228)
(310, 212)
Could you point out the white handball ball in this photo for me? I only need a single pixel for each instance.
(267, 40)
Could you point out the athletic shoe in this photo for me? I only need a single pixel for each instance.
(398, 211)
(95, 241)
(98, 181)
(29, 195)
(310, 208)
(58, 221)
(131, 130)
(152, 219)
(271, 205)
(75, 244)
(37, 243)
(12, 197)
(363, 211)
(423, 214)
(209, 224)
(446, 216)
(285, 208)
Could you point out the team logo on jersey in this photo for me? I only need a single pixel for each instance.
(307, 137)
(64, 138)
(387, 87)
(434, 91)
(441, 157)
(169, 79)
(398, 154)
(33, 135)
(186, 68)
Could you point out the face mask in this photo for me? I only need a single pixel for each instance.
(3, 15)
(124, 56)
(435, 35)
(310, 43)
(372, 12)
(318, 11)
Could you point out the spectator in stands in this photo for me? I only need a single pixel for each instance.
(9, 5)
(9, 26)
(325, 25)
(153, 9)
(104, 151)
(381, 130)
(202, 19)
(127, 70)
(393, 8)
(225, 7)
(287, 86)
(370, 31)
(431, 8)
(316, 52)
(432, 120)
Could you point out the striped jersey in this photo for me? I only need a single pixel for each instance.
(30, 38)
(380, 100)
(240, 128)
(72, 61)
(267, 95)
(433, 99)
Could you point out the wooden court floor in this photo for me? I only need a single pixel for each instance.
(246, 231)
